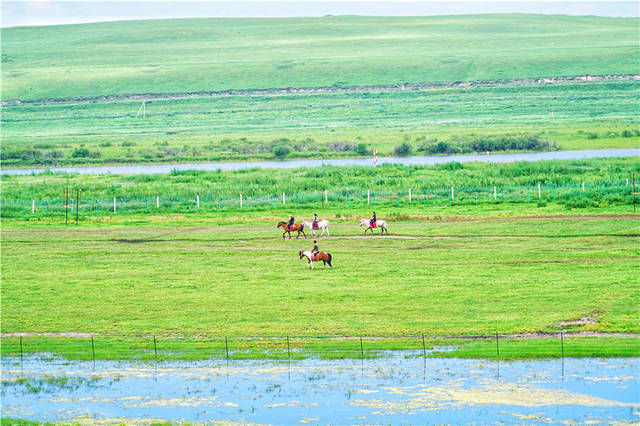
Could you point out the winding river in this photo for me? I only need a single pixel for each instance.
(408, 161)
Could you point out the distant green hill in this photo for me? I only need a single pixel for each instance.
(173, 56)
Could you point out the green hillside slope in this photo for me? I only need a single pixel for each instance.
(172, 56)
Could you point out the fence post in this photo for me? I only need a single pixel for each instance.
(368, 196)
(528, 195)
(93, 350)
(114, 204)
(226, 346)
(539, 191)
(424, 348)
(424, 198)
(347, 200)
(157, 201)
(33, 206)
(47, 204)
(452, 193)
(562, 343)
(398, 198)
(23, 209)
(409, 195)
(326, 197)
(155, 349)
(373, 199)
(283, 199)
(497, 345)
(495, 193)
(198, 201)
(240, 200)
(146, 205)
(288, 348)
(121, 206)
(20, 348)
(361, 348)
(582, 186)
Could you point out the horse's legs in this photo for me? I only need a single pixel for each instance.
(283, 234)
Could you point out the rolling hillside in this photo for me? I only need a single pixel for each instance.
(186, 55)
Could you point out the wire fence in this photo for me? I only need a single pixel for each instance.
(149, 347)
(573, 195)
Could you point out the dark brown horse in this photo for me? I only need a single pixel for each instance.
(294, 228)
(325, 257)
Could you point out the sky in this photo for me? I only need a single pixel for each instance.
(54, 12)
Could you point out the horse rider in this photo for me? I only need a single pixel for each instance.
(372, 221)
(290, 223)
(315, 250)
(315, 221)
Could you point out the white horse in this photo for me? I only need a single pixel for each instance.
(323, 224)
(324, 257)
(382, 224)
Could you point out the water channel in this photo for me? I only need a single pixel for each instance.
(402, 387)
(417, 160)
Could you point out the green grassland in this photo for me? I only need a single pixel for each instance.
(173, 56)
(565, 116)
(520, 275)
(338, 181)
(76, 63)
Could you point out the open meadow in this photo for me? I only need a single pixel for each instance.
(431, 85)
(565, 262)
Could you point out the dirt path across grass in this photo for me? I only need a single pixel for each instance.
(353, 89)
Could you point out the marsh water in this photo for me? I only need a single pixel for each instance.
(399, 388)
(409, 161)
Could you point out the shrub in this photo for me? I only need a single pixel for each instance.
(105, 144)
(80, 153)
(128, 143)
(626, 133)
(402, 149)
(281, 151)
(362, 149)
(592, 135)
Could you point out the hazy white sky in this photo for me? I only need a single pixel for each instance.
(51, 12)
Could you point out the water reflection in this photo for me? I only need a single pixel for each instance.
(398, 388)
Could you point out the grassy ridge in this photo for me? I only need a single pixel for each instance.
(209, 54)
(566, 116)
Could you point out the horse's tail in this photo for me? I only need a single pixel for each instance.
(329, 260)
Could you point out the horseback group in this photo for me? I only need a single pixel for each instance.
(316, 224)
(315, 255)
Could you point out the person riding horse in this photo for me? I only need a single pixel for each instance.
(290, 223)
(372, 221)
(315, 221)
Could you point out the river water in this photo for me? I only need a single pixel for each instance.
(399, 388)
(417, 160)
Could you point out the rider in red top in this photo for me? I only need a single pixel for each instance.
(291, 221)
(372, 222)
(315, 221)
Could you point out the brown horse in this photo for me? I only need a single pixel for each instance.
(325, 257)
(294, 228)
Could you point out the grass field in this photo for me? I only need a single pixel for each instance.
(174, 56)
(575, 116)
(124, 58)
(516, 276)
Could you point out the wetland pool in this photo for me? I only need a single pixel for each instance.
(399, 388)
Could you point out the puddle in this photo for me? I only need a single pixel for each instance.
(399, 388)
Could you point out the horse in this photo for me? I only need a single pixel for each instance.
(294, 228)
(323, 224)
(325, 257)
(382, 224)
